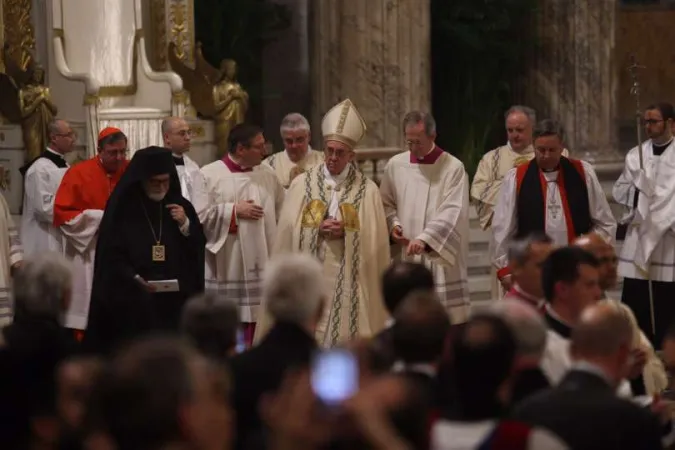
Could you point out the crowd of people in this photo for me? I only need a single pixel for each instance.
(291, 302)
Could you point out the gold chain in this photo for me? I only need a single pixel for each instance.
(157, 239)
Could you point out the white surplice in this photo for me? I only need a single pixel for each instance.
(430, 202)
(234, 263)
(11, 253)
(505, 218)
(282, 165)
(650, 239)
(80, 237)
(38, 233)
(192, 183)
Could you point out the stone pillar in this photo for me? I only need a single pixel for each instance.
(286, 72)
(574, 77)
(377, 53)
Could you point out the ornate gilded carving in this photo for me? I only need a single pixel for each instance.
(19, 33)
(198, 131)
(313, 214)
(179, 29)
(214, 93)
(158, 27)
(25, 100)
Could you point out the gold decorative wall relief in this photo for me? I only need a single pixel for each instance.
(172, 22)
(19, 36)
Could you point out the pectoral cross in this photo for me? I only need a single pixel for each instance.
(256, 270)
(555, 209)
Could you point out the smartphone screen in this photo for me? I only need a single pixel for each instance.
(241, 341)
(335, 376)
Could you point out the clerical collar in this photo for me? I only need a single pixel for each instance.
(234, 167)
(60, 155)
(527, 150)
(339, 178)
(178, 159)
(556, 323)
(430, 158)
(535, 301)
(658, 149)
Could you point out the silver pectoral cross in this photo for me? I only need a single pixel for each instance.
(256, 270)
(554, 208)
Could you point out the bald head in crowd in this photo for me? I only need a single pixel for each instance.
(603, 337)
(604, 252)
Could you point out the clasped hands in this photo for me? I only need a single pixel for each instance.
(332, 229)
(414, 247)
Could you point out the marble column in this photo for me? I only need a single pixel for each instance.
(574, 78)
(377, 53)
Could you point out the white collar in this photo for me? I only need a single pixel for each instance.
(337, 179)
(537, 301)
(553, 314)
(56, 153)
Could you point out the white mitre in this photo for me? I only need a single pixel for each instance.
(343, 123)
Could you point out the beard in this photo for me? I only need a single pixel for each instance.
(156, 196)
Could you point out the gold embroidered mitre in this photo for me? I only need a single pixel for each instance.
(343, 123)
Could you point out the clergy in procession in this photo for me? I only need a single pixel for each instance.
(177, 136)
(495, 164)
(11, 256)
(335, 213)
(240, 222)
(298, 155)
(647, 189)
(42, 177)
(559, 196)
(425, 192)
(78, 209)
(149, 256)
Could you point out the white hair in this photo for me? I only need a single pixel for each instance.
(526, 324)
(294, 122)
(293, 288)
(40, 285)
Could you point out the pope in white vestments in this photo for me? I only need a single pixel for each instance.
(553, 194)
(647, 190)
(298, 156)
(335, 213)
(42, 178)
(240, 222)
(177, 138)
(425, 192)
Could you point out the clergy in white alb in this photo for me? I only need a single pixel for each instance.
(11, 256)
(78, 210)
(298, 156)
(335, 213)
(177, 138)
(425, 192)
(240, 222)
(647, 190)
(559, 196)
(494, 166)
(41, 178)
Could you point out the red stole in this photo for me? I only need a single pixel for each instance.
(84, 186)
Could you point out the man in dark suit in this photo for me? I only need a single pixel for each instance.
(584, 409)
(400, 279)
(294, 296)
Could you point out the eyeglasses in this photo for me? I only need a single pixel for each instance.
(652, 121)
(185, 133)
(339, 153)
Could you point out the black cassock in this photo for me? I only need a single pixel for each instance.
(121, 309)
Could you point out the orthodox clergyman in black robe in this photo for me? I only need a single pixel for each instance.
(149, 256)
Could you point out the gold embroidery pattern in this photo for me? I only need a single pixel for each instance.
(350, 217)
(520, 160)
(313, 214)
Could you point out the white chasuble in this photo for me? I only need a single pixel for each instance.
(80, 237)
(504, 224)
(38, 233)
(353, 265)
(10, 254)
(192, 183)
(430, 202)
(235, 261)
(286, 170)
(650, 238)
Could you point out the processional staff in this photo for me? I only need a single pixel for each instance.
(635, 91)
